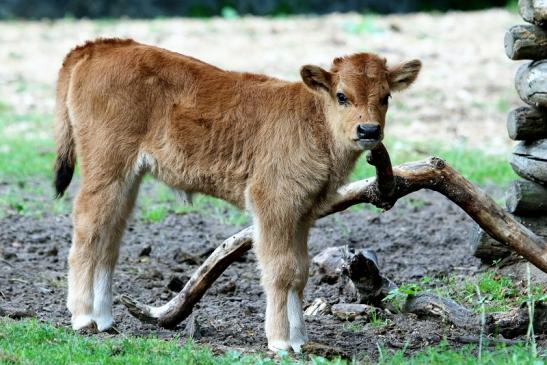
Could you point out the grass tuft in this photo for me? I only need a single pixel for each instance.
(498, 293)
(34, 342)
(443, 354)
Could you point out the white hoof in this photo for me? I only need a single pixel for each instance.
(297, 346)
(278, 345)
(80, 322)
(298, 334)
(298, 338)
(104, 323)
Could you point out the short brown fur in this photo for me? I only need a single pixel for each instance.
(279, 149)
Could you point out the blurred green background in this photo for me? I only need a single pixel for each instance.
(37, 9)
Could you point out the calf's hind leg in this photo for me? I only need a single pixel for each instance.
(100, 215)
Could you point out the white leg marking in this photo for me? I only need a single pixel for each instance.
(79, 300)
(278, 345)
(82, 321)
(102, 298)
(275, 344)
(298, 334)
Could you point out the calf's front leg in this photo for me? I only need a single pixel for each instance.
(283, 261)
(298, 333)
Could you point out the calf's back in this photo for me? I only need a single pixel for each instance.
(136, 108)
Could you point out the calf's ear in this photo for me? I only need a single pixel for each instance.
(316, 78)
(403, 75)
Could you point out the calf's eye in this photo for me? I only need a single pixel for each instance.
(342, 99)
(385, 99)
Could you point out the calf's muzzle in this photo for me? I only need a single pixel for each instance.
(369, 131)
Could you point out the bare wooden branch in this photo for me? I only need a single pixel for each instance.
(432, 173)
(385, 182)
(527, 123)
(510, 324)
(526, 42)
(534, 11)
(180, 307)
(531, 83)
(526, 198)
(529, 160)
(489, 249)
(362, 269)
(430, 305)
(515, 322)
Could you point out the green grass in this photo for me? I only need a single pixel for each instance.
(26, 147)
(377, 321)
(512, 6)
(34, 342)
(159, 200)
(353, 327)
(443, 354)
(365, 24)
(398, 296)
(498, 293)
(26, 161)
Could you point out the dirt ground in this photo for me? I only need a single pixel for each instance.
(412, 241)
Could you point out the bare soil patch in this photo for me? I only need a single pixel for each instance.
(424, 235)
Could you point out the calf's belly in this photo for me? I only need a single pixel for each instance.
(218, 182)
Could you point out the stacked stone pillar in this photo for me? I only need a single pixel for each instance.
(526, 199)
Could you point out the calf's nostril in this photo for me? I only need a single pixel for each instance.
(368, 131)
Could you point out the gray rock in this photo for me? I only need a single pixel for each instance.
(327, 264)
(351, 311)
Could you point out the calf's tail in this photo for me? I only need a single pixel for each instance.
(64, 140)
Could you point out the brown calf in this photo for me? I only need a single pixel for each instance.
(279, 149)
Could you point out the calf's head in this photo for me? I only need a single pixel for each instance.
(356, 93)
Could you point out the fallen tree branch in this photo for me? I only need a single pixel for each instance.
(180, 307)
(510, 324)
(362, 269)
(383, 191)
(434, 306)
